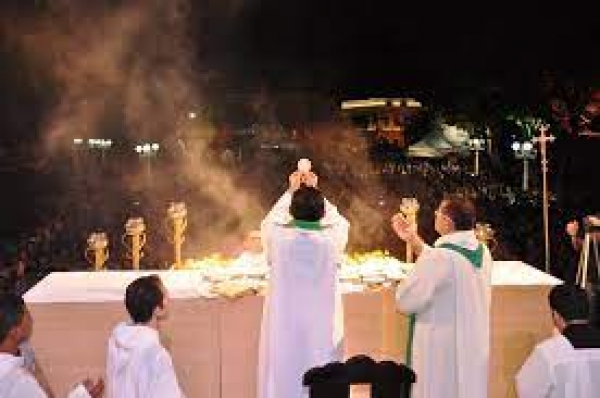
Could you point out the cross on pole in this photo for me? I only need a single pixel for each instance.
(543, 139)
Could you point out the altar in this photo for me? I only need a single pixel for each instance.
(214, 340)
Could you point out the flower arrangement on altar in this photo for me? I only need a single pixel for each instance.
(236, 277)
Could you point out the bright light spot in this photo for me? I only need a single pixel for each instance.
(527, 146)
(413, 103)
(147, 148)
(192, 115)
(77, 141)
(454, 135)
(476, 144)
(155, 147)
(368, 103)
(516, 146)
(138, 148)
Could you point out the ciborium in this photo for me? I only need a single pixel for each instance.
(410, 209)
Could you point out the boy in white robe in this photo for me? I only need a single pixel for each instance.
(447, 296)
(16, 380)
(302, 324)
(566, 365)
(137, 365)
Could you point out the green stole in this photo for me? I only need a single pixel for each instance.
(475, 257)
(309, 225)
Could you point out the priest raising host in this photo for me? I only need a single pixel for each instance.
(302, 325)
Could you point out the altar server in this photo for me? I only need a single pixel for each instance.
(16, 380)
(138, 366)
(566, 365)
(302, 323)
(447, 296)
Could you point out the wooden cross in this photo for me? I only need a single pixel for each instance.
(543, 141)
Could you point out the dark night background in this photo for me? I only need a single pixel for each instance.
(474, 57)
(357, 47)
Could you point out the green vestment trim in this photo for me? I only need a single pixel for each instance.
(475, 257)
(412, 320)
(310, 225)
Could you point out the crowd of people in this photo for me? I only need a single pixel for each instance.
(447, 297)
(514, 215)
(93, 195)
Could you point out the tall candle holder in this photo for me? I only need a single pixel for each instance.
(177, 215)
(135, 234)
(96, 252)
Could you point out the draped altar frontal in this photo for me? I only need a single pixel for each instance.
(214, 340)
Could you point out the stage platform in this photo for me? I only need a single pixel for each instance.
(214, 341)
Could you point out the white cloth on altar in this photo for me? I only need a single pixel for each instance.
(557, 370)
(451, 300)
(302, 323)
(138, 366)
(17, 382)
(109, 286)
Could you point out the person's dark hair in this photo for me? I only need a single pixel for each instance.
(570, 302)
(308, 204)
(461, 210)
(12, 309)
(142, 297)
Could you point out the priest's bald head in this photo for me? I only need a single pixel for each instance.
(455, 213)
(308, 204)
